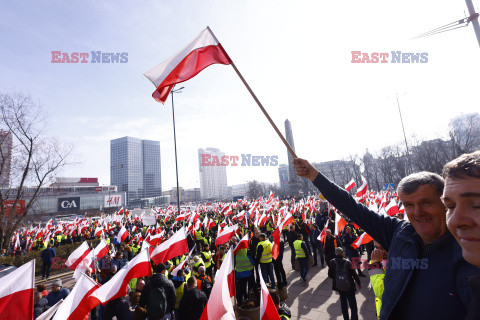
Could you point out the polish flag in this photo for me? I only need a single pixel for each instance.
(270, 198)
(229, 211)
(276, 234)
(364, 238)
(340, 224)
(101, 250)
(362, 189)
(243, 244)
(323, 234)
(16, 293)
(79, 302)
(211, 224)
(122, 234)
(99, 230)
(392, 208)
(225, 235)
(121, 211)
(116, 287)
(173, 247)
(156, 239)
(220, 305)
(350, 185)
(202, 52)
(180, 217)
(205, 222)
(268, 311)
(16, 246)
(181, 265)
(77, 256)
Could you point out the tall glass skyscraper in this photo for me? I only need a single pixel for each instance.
(135, 167)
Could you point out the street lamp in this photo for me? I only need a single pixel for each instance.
(175, 145)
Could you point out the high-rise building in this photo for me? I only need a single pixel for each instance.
(135, 167)
(6, 145)
(213, 177)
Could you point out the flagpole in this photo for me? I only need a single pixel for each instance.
(285, 142)
(175, 145)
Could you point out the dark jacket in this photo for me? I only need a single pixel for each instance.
(39, 307)
(291, 237)
(47, 255)
(54, 297)
(159, 280)
(192, 304)
(117, 308)
(405, 250)
(347, 242)
(352, 275)
(314, 234)
(474, 310)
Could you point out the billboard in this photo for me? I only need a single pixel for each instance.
(68, 204)
(113, 201)
(19, 208)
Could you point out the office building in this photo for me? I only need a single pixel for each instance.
(213, 177)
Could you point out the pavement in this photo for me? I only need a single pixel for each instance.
(316, 299)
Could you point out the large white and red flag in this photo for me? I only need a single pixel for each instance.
(181, 265)
(16, 293)
(392, 208)
(364, 238)
(78, 304)
(100, 250)
(220, 305)
(349, 186)
(340, 223)
(276, 234)
(268, 311)
(175, 246)
(122, 234)
(362, 190)
(116, 287)
(243, 244)
(225, 235)
(77, 256)
(202, 52)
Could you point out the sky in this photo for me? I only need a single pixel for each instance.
(296, 56)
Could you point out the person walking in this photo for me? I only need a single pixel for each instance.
(344, 278)
(47, 258)
(302, 254)
(316, 245)
(264, 258)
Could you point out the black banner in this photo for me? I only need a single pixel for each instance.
(69, 204)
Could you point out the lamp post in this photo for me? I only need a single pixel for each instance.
(175, 145)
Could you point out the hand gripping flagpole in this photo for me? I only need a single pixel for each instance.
(285, 142)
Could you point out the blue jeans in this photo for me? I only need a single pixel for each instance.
(267, 272)
(303, 262)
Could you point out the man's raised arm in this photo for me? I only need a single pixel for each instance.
(380, 227)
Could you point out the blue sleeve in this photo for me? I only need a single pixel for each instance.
(54, 254)
(379, 227)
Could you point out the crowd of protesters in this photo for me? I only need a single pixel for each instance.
(409, 259)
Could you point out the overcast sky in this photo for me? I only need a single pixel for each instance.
(296, 55)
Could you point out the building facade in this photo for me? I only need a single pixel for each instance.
(213, 178)
(6, 145)
(135, 167)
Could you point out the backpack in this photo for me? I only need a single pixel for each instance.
(342, 281)
(206, 286)
(157, 303)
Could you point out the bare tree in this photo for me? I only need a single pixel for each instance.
(35, 159)
(254, 189)
(431, 155)
(465, 133)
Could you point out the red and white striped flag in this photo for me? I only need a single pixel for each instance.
(16, 293)
(79, 302)
(181, 265)
(243, 244)
(392, 208)
(101, 250)
(268, 311)
(202, 52)
(350, 185)
(276, 234)
(225, 235)
(77, 256)
(323, 234)
(173, 247)
(362, 190)
(364, 238)
(340, 224)
(122, 234)
(116, 287)
(219, 305)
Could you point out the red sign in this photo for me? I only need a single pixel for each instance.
(19, 208)
(98, 189)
